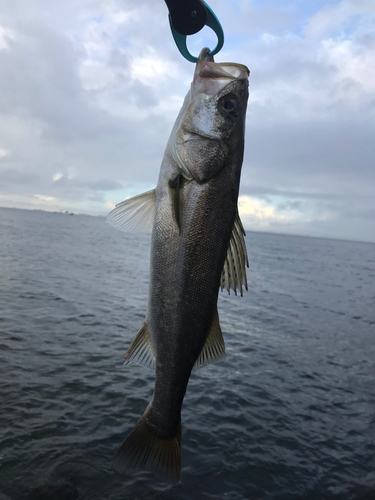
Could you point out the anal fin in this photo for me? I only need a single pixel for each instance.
(140, 351)
(214, 347)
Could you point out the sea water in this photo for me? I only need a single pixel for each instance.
(289, 414)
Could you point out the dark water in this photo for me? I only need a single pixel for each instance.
(290, 414)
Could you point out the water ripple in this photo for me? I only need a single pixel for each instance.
(289, 414)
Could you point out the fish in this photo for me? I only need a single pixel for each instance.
(197, 247)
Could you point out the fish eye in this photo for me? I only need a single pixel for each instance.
(227, 105)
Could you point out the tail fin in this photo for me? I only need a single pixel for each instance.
(142, 449)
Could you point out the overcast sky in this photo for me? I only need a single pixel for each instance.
(89, 91)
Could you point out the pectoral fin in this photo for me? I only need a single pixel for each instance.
(234, 270)
(135, 214)
(214, 347)
(140, 351)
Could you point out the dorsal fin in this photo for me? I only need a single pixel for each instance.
(214, 347)
(135, 214)
(234, 270)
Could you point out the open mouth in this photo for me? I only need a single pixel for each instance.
(207, 68)
(211, 77)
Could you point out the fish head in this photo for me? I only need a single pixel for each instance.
(209, 131)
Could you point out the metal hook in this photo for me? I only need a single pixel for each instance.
(212, 22)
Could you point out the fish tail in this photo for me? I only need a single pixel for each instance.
(143, 449)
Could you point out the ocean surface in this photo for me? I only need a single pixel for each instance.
(289, 414)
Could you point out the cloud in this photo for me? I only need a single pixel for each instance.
(336, 16)
(12, 176)
(57, 176)
(42, 197)
(89, 92)
(3, 152)
(258, 212)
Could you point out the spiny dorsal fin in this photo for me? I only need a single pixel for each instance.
(234, 270)
(135, 214)
(214, 347)
(140, 351)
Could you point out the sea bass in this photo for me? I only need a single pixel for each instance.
(197, 247)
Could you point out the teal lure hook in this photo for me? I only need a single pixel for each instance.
(187, 17)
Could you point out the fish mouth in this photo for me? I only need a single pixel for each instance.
(211, 77)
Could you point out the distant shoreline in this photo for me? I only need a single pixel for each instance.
(247, 230)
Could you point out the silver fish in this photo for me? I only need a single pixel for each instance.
(197, 247)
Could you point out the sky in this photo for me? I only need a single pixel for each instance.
(89, 92)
